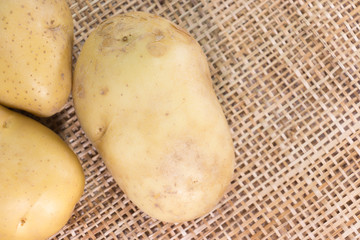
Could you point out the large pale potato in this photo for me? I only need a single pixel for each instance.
(41, 179)
(35, 55)
(144, 97)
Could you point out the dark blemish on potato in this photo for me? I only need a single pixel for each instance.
(125, 38)
(156, 49)
(62, 76)
(166, 114)
(4, 125)
(104, 91)
(22, 221)
(157, 205)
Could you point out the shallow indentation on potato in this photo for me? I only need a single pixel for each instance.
(156, 49)
(100, 133)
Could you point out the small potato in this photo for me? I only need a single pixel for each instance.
(35, 55)
(41, 179)
(144, 97)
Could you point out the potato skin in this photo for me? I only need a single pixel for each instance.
(143, 94)
(41, 179)
(35, 55)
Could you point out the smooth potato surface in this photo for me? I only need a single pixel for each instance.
(41, 179)
(144, 97)
(35, 55)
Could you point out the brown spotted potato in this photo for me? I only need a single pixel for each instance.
(144, 97)
(35, 55)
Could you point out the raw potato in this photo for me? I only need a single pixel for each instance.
(144, 97)
(41, 179)
(35, 55)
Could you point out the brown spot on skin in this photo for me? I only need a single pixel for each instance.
(104, 91)
(156, 49)
(107, 42)
(5, 125)
(80, 91)
(62, 76)
(22, 221)
(166, 114)
(125, 38)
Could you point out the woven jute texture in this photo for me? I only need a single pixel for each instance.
(287, 76)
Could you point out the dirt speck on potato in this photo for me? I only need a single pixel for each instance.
(22, 221)
(104, 90)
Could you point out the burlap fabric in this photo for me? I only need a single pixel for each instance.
(287, 76)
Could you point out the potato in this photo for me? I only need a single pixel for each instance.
(41, 179)
(143, 94)
(35, 55)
